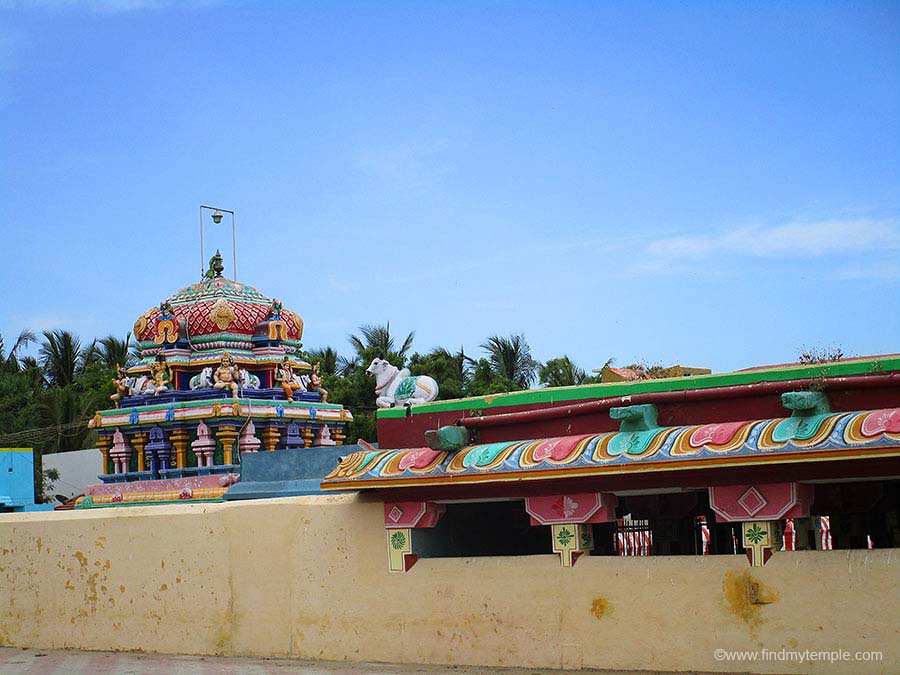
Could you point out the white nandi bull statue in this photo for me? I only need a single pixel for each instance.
(397, 387)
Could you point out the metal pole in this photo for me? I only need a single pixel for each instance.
(233, 238)
(202, 260)
(233, 247)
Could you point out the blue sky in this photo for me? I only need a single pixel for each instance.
(712, 184)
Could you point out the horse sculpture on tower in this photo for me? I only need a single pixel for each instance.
(394, 386)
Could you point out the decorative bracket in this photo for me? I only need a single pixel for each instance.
(570, 541)
(570, 518)
(756, 507)
(400, 519)
(758, 542)
(767, 501)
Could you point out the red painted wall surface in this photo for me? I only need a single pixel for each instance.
(409, 432)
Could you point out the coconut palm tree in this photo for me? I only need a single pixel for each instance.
(377, 341)
(61, 357)
(10, 363)
(327, 357)
(510, 358)
(114, 351)
(379, 337)
(561, 372)
(66, 411)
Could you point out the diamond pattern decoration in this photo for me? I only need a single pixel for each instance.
(395, 514)
(752, 501)
(194, 304)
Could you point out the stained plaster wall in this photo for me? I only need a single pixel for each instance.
(307, 577)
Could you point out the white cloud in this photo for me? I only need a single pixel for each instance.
(794, 240)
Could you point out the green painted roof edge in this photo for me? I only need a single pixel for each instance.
(859, 366)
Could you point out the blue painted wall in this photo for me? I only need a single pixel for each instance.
(16, 477)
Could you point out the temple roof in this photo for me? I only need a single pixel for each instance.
(216, 314)
(868, 365)
(797, 439)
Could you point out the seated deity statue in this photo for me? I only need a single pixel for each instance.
(160, 377)
(284, 375)
(227, 375)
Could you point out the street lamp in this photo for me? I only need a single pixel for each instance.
(217, 218)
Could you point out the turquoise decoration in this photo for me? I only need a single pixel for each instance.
(485, 454)
(368, 456)
(810, 410)
(631, 442)
(798, 428)
(170, 413)
(635, 417)
(312, 413)
(637, 430)
(406, 388)
(133, 417)
(447, 438)
(805, 403)
(279, 410)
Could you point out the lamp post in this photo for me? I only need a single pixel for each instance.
(217, 218)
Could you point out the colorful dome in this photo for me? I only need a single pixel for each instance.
(214, 314)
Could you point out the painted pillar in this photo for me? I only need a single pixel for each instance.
(338, 435)
(308, 435)
(204, 447)
(179, 439)
(757, 507)
(104, 443)
(227, 435)
(401, 519)
(271, 437)
(570, 518)
(248, 441)
(138, 440)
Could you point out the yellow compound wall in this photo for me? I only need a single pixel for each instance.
(307, 577)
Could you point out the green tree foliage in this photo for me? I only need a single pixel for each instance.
(485, 380)
(112, 351)
(62, 357)
(510, 358)
(326, 357)
(10, 363)
(45, 403)
(377, 341)
(450, 369)
(561, 372)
